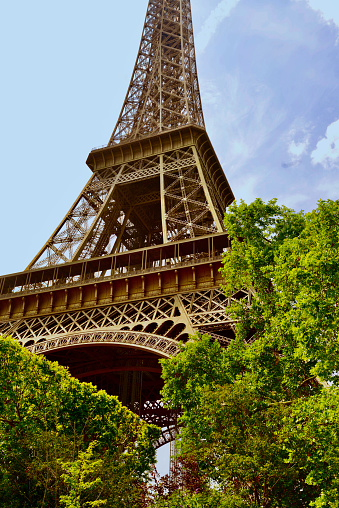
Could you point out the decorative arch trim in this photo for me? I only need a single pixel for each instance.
(162, 346)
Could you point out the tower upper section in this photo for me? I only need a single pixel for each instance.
(158, 181)
(164, 91)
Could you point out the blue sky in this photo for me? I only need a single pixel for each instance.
(269, 78)
(270, 88)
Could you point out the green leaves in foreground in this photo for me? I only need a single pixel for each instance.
(49, 423)
(289, 261)
(81, 476)
(240, 436)
(258, 418)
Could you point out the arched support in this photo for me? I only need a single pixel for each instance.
(161, 346)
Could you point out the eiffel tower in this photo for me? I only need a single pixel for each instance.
(133, 268)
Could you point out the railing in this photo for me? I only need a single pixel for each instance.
(99, 147)
(75, 281)
(152, 259)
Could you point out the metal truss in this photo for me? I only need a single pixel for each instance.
(167, 436)
(164, 90)
(151, 328)
(147, 201)
(146, 315)
(173, 317)
(207, 310)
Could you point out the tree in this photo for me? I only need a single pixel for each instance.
(49, 422)
(259, 416)
(290, 260)
(82, 478)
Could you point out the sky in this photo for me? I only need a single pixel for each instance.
(269, 80)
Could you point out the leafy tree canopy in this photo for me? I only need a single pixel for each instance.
(289, 262)
(259, 417)
(48, 424)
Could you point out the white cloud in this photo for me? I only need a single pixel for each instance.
(327, 149)
(217, 16)
(210, 93)
(298, 139)
(241, 119)
(296, 150)
(328, 9)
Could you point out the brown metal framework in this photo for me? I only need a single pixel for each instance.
(157, 190)
(164, 89)
(134, 265)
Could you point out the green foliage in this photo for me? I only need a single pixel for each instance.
(289, 261)
(315, 425)
(81, 478)
(48, 421)
(186, 500)
(258, 416)
(237, 432)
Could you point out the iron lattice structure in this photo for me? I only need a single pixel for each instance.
(134, 266)
(164, 89)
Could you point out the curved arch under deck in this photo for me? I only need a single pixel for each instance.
(159, 345)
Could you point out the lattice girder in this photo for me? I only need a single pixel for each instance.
(145, 314)
(164, 347)
(144, 201)
(164, 90)
(136, 333)
(173, 317)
